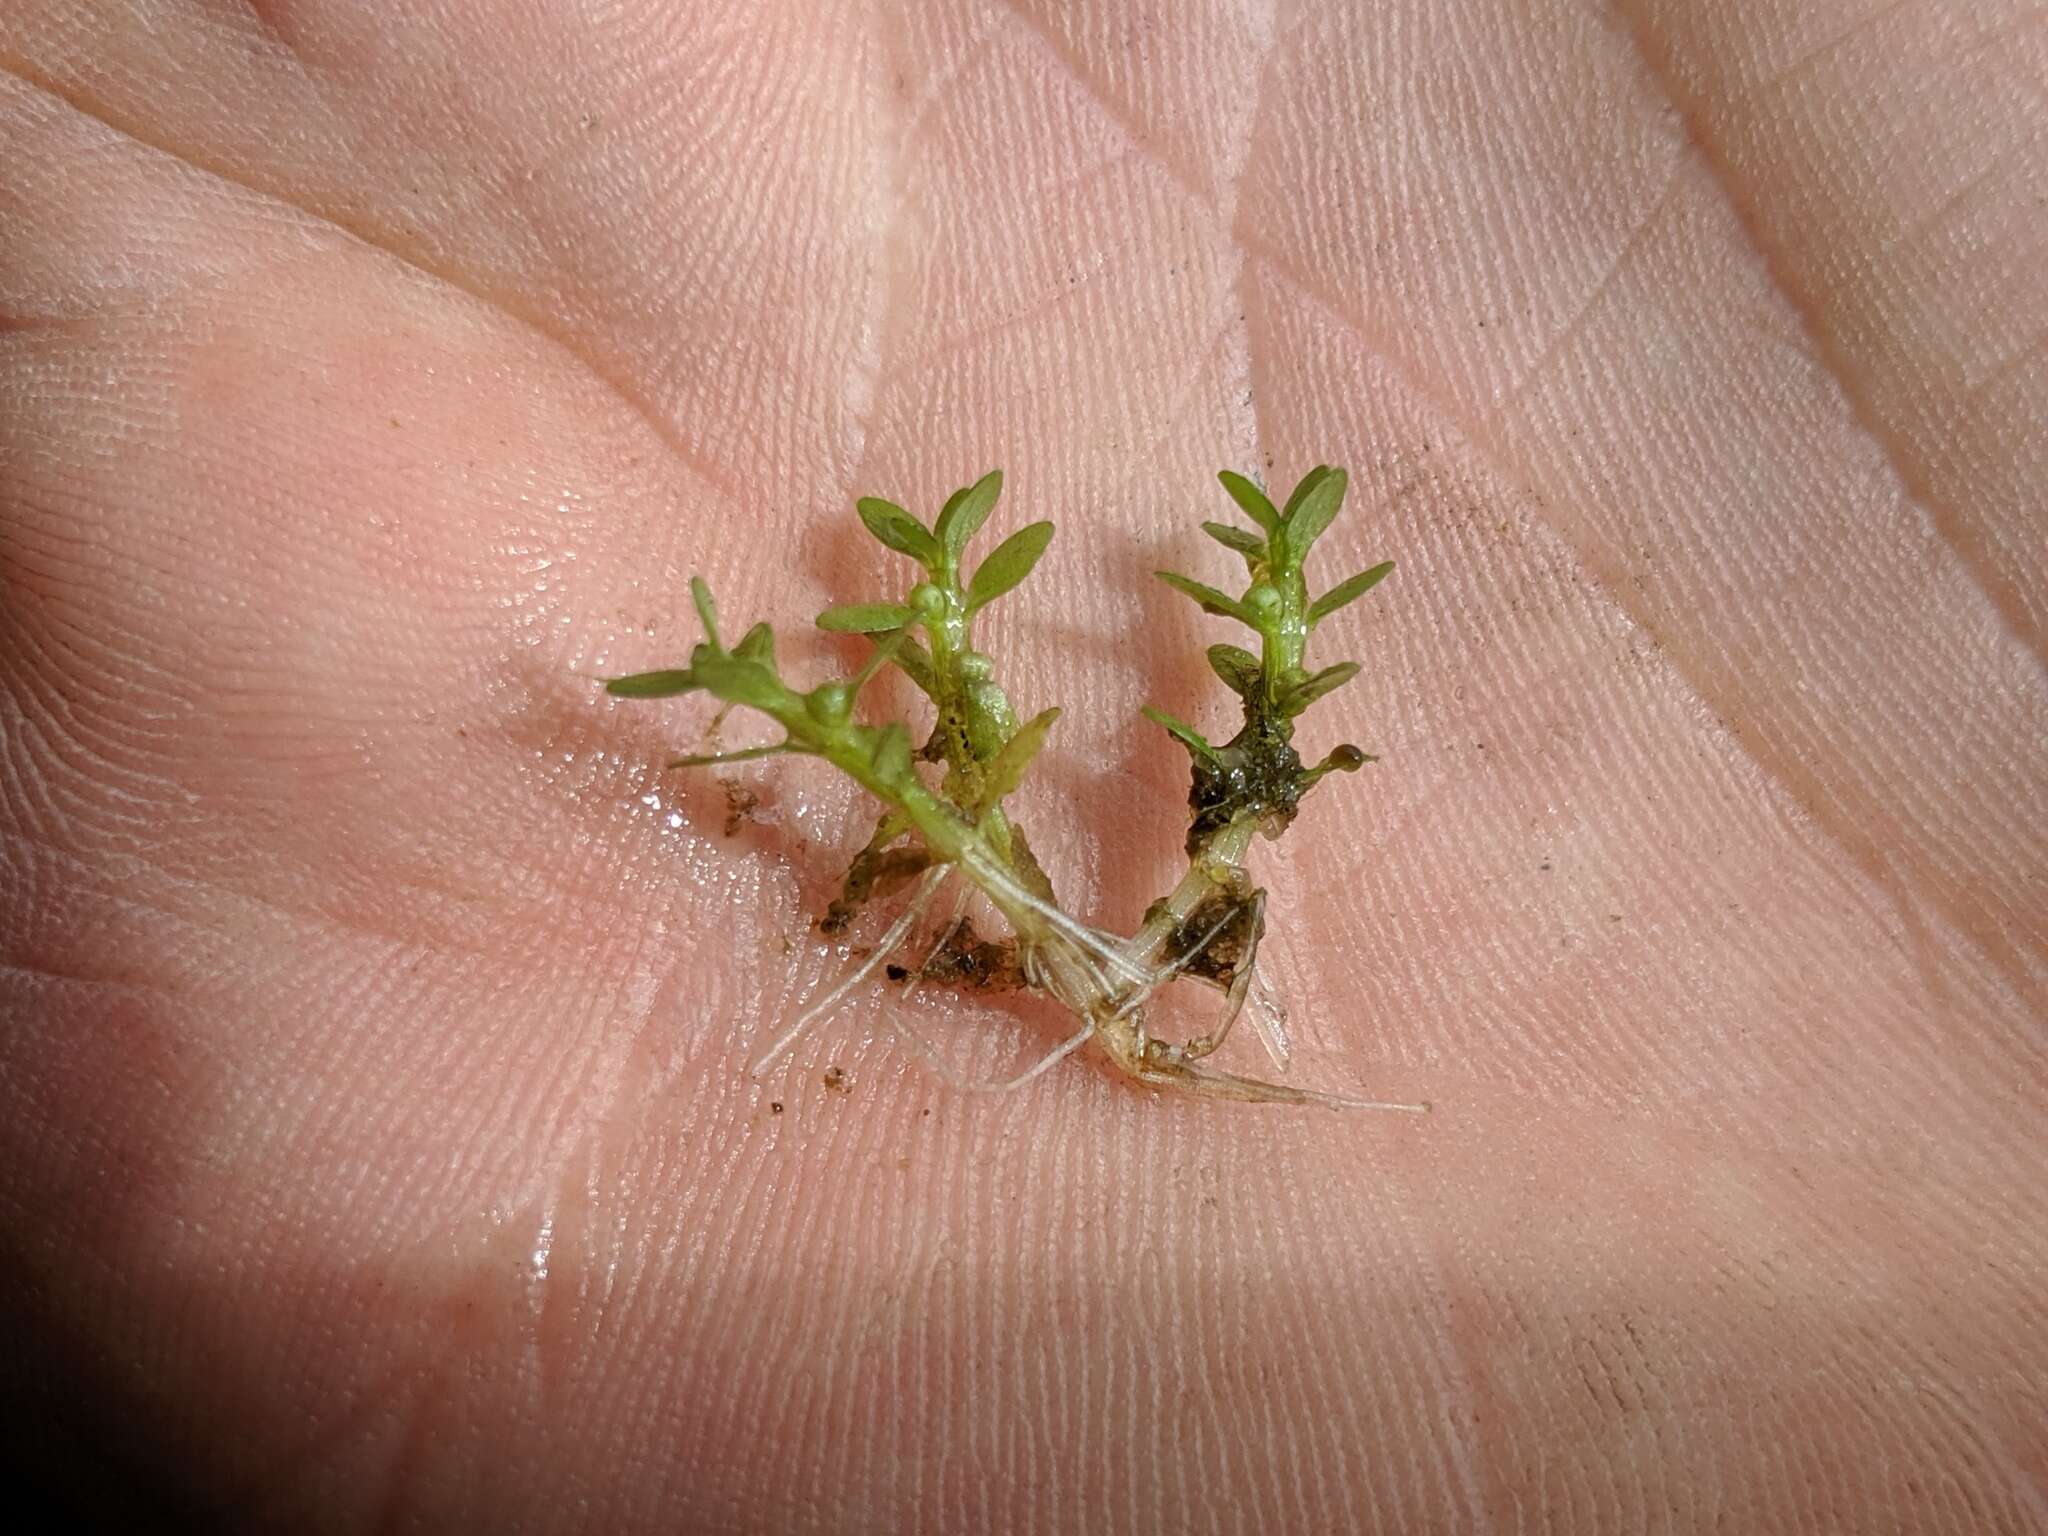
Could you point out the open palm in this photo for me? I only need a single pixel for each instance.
(375, 1139)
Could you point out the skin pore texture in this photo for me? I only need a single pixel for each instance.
(376, 1143)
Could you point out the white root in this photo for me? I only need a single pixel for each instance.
(1350, 1101)
(1004, 889)
(898, 1019)
(1179, 1070)
(1065, 1048)
(921, 896)
(909, 1033)
(1228, 1085)
(1269, 1018)
(1074, 963)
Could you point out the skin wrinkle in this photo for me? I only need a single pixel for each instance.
(2031, 351)
(868, 383)
(1248, 425)
(500, 304)
(1181, 175)
(1799, 788)
(1803, 63)
(1952, 525)
(1864, 896)
(1630, 246)
(1010, 322)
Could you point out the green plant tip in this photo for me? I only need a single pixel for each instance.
(652, 685)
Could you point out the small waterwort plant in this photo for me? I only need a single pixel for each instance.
(942, 800)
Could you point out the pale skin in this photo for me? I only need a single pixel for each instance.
(376, 1141)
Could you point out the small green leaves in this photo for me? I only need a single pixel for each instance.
(1238, 668)
(1304, 486)
(1346, 591)
(1254, 501)
(1186, 734)
(892, 754)
(1309, 510)
(1294, 700)
(707, 611)
(1006, 769)
(884, 652)
(864, 618)
(1275, 686)
(965, 512)
(899, 530)
(757, 644)
(1230, 536)
(1289, 531)
(737, 680)
(653, 685)
(1210, 599)
(1008, 563)
(916, 663)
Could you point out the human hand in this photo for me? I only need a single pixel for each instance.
(377, 1142)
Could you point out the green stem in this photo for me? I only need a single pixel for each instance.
(950, 838)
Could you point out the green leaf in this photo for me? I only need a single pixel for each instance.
(757, 644)
(739, 681)
(1347, 591)
(1211, 600)
(966, 511)
(1254, 501)
(707, 611)
(1006, 769)
(1238, 668)
(883, 653)
(1008, 563)
(1230, 536)
(892, 753)
(1309, 482)
(946, 511)
(916, 663)
(1313, 511)
(653, 685)
(1188, 736)
(864, 618)
(899, 530)
(1309, 689)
